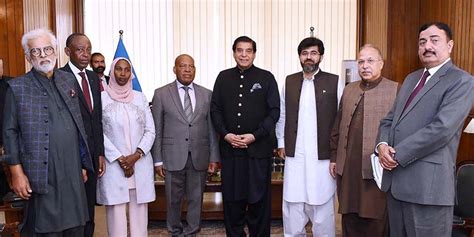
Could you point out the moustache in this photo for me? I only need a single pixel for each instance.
(99, 69)
(308, 61)
(428, 52)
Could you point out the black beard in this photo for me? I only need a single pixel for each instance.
(98, 69)
(310, 67)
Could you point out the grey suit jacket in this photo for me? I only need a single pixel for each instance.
(175, 136)
(426, 136)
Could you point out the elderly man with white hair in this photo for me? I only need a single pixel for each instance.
(44, 143)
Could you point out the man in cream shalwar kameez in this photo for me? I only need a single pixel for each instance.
(308, 107)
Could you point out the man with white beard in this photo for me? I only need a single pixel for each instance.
(308, 107)
(45, 144)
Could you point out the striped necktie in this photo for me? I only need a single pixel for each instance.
(188, 108)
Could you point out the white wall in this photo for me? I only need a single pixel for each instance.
(156, 31)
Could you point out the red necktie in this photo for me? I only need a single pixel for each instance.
(85, 90)
(101, 85)
(417, 89)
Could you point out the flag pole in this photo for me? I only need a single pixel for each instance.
(121, 33)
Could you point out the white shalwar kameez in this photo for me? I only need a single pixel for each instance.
(308, 188)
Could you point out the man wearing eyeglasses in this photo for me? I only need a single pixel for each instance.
(45, 143)
(364, 103)
(308, 108)
(78, 48)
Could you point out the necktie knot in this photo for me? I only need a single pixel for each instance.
(186, 88)
(82, 74)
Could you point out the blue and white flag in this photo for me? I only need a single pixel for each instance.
(122, 52)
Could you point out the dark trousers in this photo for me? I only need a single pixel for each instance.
(411, 219)
(255, 215)
(355, 226)
(91, 187)
(72, 232)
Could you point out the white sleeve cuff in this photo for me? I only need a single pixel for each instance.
(158, 163)
(377, 146)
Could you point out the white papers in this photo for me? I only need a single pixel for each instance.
(377, 170)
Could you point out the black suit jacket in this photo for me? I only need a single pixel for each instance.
(92, 121)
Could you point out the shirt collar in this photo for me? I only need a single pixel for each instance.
(74, 69)
(191, 86)
(433, 70)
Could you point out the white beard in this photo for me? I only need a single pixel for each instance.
(43, 67)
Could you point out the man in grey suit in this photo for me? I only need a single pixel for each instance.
(419, 138)
(185, 146)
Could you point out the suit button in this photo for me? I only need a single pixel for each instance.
(241, 86)
(46, 134)
(186, 139)
(240, 95)
(241, 76)
(190, 125)
(45, 162)
(45, 94)
(238, 114)
(45, 121)
(45, 148)
(46, 107)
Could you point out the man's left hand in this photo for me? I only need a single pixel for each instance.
(101, 170)
(84, 175)
(247, 138)
(212, 168)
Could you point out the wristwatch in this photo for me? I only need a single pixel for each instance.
(140, 151)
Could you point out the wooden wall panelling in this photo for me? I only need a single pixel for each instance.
(11, 30)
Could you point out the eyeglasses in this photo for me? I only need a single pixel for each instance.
(312, 53)
(370, 61)
(48, 50)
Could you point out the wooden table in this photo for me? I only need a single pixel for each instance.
(212, 208)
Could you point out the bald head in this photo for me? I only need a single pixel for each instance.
(184, 69)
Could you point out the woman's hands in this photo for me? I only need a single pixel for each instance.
(127, 163)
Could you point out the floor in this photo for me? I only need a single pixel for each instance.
(209, 228)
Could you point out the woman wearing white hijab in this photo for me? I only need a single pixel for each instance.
(129, 133)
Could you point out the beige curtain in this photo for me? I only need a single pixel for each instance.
(155, 32)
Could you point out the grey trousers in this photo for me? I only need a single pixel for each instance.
(189, 182)
(411, 219)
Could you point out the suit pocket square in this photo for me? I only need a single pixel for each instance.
(255, 86)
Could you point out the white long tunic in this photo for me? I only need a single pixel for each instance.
(113, 187)
(306, 179)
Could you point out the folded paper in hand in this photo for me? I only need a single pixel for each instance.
(377, 170)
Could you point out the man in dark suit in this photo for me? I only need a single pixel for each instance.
(78, 48)
(45, 143)
(98, 66)
(3, 90)
(245, 107)
(419, 138)
(185, 145)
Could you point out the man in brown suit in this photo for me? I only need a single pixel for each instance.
(364, 103)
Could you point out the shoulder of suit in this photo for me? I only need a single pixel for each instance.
(295, 76)
(21, 79)
(328, 75)
(388, 81)
(199, 87)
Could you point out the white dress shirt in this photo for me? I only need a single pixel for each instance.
(76, 72)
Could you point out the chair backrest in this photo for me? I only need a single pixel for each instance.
(465, 191)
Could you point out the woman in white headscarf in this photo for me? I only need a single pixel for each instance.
(129, 133)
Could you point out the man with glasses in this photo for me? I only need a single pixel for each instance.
(364, 103)
(45, 143)
(78, 48)
(308, 108)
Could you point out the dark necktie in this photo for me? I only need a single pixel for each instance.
(418, 88)
(188, 108)
(85, 90)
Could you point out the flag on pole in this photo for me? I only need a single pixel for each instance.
(122, 52)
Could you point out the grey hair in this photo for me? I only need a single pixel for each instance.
(373, 47)
(34, 34)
